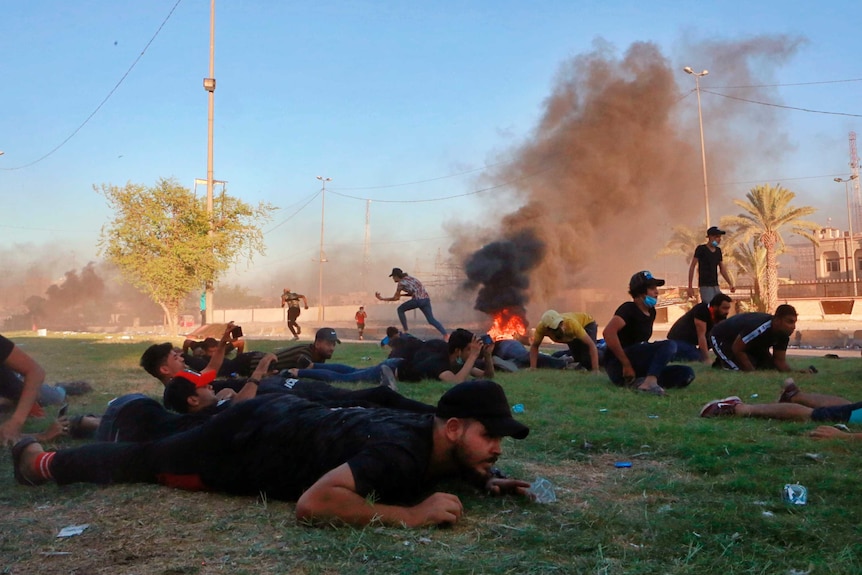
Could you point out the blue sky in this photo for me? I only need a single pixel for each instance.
(377, 96)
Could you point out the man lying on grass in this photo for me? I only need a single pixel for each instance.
(794, 405)
(349, 464)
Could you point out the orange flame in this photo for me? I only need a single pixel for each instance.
(507, 324)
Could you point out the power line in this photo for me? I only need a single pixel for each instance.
(780, 106)
(290, 217)
(102, 103)
(791, 84)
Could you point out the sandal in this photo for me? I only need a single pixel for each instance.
(654, 389)
(77, 429)
(17, 452)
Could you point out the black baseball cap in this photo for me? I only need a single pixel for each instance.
(485, 401)
(396, 272)
(714, 231)
(326, 334)
(642, 280)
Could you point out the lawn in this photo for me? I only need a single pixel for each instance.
(701, 495)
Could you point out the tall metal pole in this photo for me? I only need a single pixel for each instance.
(365, 245)
(852, 250)
(697, 77)
(209, 86)
(321, 314)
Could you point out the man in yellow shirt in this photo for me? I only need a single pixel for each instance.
(577, 330)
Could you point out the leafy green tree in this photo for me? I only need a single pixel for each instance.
(768, 212)
(159, 238)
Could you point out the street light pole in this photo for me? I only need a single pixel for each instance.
(852, 263)
(697, 77)
(322, 257)
(209, 86)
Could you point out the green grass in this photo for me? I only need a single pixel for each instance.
(702, 496)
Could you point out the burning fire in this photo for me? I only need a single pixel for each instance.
(508, 324)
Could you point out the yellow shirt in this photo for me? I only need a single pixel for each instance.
(572, 328)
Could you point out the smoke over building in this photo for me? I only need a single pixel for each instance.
(614, 161)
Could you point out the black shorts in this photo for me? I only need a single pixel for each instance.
(850, 413)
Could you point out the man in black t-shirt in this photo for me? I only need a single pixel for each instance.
(453, 361)
(691, 331)
(632, 360)
(354, 465)
(743, 342)
(709, 261)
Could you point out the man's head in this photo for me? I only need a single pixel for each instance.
(324, 343)
(163, 361)
(397, 274)
(475, 416)
(714, 234)
(362, 308)
(784, 319)
(190, 392)
(286, 291)
(392, 334)
(720, 306)
(643, 283)
(551, 319)
(459, 341)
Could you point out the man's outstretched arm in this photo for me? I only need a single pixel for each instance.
(333, 497)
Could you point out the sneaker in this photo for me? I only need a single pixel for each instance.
(295, 338)
(788, 390)
(22, 476)
(719, 407)
(387, 377)
(504, 365)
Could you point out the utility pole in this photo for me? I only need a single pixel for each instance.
(209, 86)
(322, 258)
(365, 245)
(697, 77)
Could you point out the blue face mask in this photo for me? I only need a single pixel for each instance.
(650, 301)
(713, 243)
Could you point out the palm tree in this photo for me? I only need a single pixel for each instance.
(750, 260)
(769, 211)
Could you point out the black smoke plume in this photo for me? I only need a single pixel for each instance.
(502, 269)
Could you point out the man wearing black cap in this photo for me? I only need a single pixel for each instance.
(411, 287)
(708, 259)
(309, 362)
(633, 360)
(352, 465)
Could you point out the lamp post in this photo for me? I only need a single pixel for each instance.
(852, 263)
(697, 77)
(209, 86)
(322, 259)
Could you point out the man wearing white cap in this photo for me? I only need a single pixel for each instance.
(577, 330)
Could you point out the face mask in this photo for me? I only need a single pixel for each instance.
(650, 301)
(459, 361)
(713, 243)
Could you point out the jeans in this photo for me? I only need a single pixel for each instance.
(517, 352)
(708, 292)
(651, 359)
(685, 351)
(341, 372)
(423, 305)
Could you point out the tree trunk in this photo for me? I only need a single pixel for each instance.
(768, 240)
(171, 310)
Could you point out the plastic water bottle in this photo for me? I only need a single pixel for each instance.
(518, 408)
(542, 491)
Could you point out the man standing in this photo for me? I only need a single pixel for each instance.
(411, 287)
(292, 300)
(577, 330)
(743, 342)
(361, 316)
(351, 465)
(691, 331)
(708, 259)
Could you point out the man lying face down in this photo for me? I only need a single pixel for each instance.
(349, 464)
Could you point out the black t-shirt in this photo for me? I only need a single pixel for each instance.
(428, 361)
(756, 331)
(707, 265)
(638, 327)
(281, 445)
(6, 346)
(684, 328)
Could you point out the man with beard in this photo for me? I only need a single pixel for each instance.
(691, 331)
(352, 465)
(743, 342)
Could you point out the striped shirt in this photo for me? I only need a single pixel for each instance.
(413, 287)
